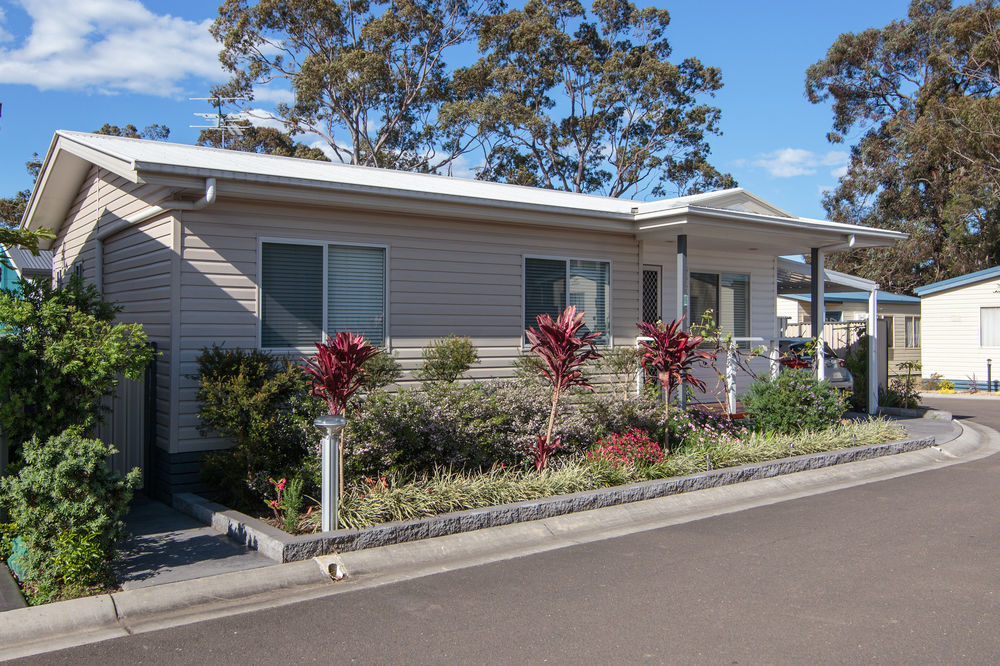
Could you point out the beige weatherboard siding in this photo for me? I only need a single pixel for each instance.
(444, 277)
(185, 259)
(951, 321)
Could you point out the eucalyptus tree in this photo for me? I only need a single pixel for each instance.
(369, 76)
(919, 95)
(589, 101)
(265, 140)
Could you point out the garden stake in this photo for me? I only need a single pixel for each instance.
(708, 462)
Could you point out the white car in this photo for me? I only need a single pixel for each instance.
(795, 354)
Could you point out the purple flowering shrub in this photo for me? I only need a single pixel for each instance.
(694, 428)
(482, 424)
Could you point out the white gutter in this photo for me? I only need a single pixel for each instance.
(139, 218)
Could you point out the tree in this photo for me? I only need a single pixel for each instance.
(264, 140)
(12, 210)
(153, 132)
(921, 92)
(369, 77)
(589, 101)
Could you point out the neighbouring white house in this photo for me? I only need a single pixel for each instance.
(206, 246)
(847, 313)
(961, 328)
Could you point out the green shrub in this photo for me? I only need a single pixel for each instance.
(933, 383)
(263, 405)
(793, 402)
(67, 507)
(381, 370)
(622, 364)
(8, 532)
(447, 359)
(402, 497)
(60, 355)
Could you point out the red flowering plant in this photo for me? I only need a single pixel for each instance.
(672, 353)
(631, 449)
(337, 374)
(563, 350)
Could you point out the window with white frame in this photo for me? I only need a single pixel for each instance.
(989, 327)
(552, 284)
(308, 290)
(727, 295)
(911, 332)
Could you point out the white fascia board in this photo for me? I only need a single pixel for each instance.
(867, 236)
(249, 186)
(62, 172)
(849, 280)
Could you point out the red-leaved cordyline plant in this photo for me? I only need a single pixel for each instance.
(337, 375)
(563, 351)
(672, 353)
(542, 450)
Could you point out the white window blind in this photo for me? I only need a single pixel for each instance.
(544, 288)
(912, 332)
(552, 284)
(727, 295)
(588, 291)
(291, 284)
(356, 291)
(989, 327)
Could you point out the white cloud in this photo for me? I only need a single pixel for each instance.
(273, 95)
(791, 162)
(4, 35)
(110, 46)
(839, 172)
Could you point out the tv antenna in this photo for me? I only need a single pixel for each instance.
(225, 123)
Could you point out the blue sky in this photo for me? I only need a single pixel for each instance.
(72, 64)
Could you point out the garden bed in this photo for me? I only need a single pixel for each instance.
(283, 547)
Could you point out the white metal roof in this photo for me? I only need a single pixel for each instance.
(244, 174)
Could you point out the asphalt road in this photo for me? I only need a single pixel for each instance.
(901, 571)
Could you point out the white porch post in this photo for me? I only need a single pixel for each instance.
(873, 345)
(818, 310)
(683, 301)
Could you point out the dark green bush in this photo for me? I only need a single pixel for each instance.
(263, 405)
(793, 402)
(447, 359)
(381, 370)
(60, 354)
(68, 510)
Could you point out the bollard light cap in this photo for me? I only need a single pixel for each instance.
(330, 421)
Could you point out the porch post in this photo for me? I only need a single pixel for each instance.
(873, 347)
(683, 300)
(818, 310)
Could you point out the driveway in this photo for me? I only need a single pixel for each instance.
(901, 571)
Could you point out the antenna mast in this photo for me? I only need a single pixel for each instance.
(226, 123)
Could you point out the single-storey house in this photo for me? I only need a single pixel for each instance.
(18, 264)
(961, 328)
(847, 311)
(206, 246)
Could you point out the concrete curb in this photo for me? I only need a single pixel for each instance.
(283, 547)
(64, 624)
(120, 613)
(920, 413)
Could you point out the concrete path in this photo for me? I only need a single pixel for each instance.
(10, 595)
(167, 546)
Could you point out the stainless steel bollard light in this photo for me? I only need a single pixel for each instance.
(329, 497)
